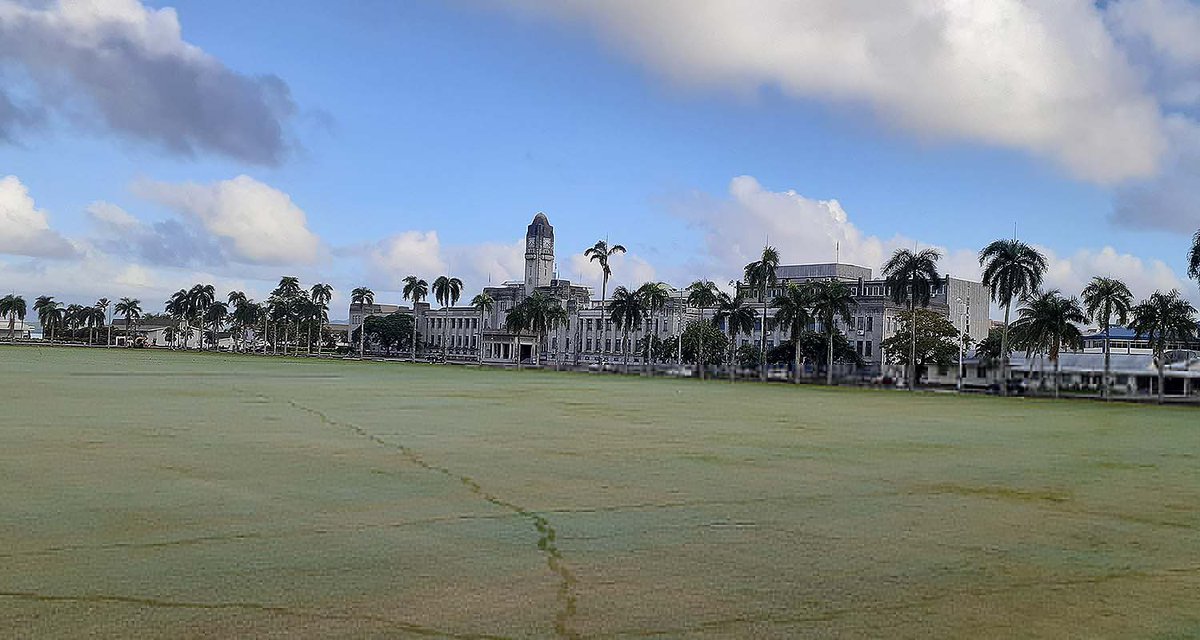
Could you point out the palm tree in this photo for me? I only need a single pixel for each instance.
(103, 304)
(415, 289)
(287, 294)
(1105, 299)
(1049, 322)
(792, 310)
(131, 309)
(484, 303)
(13, 306)
(538, 313)
(1164, 318)
(601, 252)
(92, 317)
(738, 316)
(177, 307)
(1011, 270)
(759, 275)
(320, 294)
(703, 295)
(200, 298)
(245, 314)
(654, 297)
(830, 300)
(55, 319)
(363, 296)
(911, 277)
(1194, 258)
(45, 306)
(447, 291)
(75, 317)
(215, 315)
(626, 310)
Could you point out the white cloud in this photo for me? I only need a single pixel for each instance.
(1170, 201)
(423, 254)
(256, 223)
(806, 230)
(110, 215)
(118, 65)
(628, 270)
(403, 254)
(1040, 75)
(25, 229)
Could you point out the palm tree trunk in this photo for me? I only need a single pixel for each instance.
(414, 342)
(829, 360)
(1057, 376)
(626, 349)
(1161, 378)
(912, 311)
(1004, 352)
(796, 359)
(762, 345)
(1107, 385)
(732, 354)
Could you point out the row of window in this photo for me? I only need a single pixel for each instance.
(455, 323)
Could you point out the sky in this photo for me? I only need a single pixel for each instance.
(148, 146)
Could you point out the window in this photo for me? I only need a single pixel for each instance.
(980, 372)
(608, 345)
(588, 345)
(867, 350)
(861, 323)
(943, 370)
(554, 343)
(869, 323)
(858, 347)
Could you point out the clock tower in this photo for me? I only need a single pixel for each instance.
(539, 253)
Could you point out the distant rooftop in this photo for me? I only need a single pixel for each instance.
(840, 270)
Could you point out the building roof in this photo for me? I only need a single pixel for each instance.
(540, 227)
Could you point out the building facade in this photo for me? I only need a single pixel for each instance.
(589, 336)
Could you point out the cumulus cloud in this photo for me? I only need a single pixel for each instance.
(120, 66)
(163, 243)
(254, 222)
(1044, 76)
(422, 253)
(25, 229)
(628, 269)
(735, 228)
(1170, 201)
(1164, 37)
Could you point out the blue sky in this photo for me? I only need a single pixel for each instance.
(422, 137)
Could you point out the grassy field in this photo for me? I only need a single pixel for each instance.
(151, 494)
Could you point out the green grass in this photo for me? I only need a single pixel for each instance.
(152, 494)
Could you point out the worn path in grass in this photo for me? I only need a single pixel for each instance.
(156, 494)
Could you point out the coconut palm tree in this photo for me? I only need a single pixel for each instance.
(738, 316)
(246, 313)
(363, 296)
(200, 298)
(911, 277)
(287, 294)
(1164, 318)
(600, 253)
(703, 295)
(1194, 258)
(177, 307)
(830, 300)
(320, 294)
(759, 275)
(483, 303)
(131, 310)
(103, 304)
(1106, 299)
(654, 297)
(539, 314)
(45, 306)
(75, 317)
(214, 316)
(626, 310)
(447, 291)
(1049, 323)
(13, 306)
(1011, 271)
(415, 289)
(793, 311)
(93, 317)
(55, 318)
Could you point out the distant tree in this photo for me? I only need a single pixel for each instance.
(793, 310)
(654, 297)
(131, 310)
(416, 290)
(600, 253)
(702, 342)
(447, 290)
(320, 294)
(1011, 271)
(49, 314)
(747, 357)
(538, 314)
(13, 306)
(760, 275)
(1106, 299)
(831, 300)
(813, 347)
(1194, 258)
(626, 310)
(936, 340)
(911, 277)
(364, 296)
(200, 297)
(1164, 318)
(390, 332)
(990, 350)
(703, 295)
(1048, 324)
(214, 317)
(103, 304)
(738, 317)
